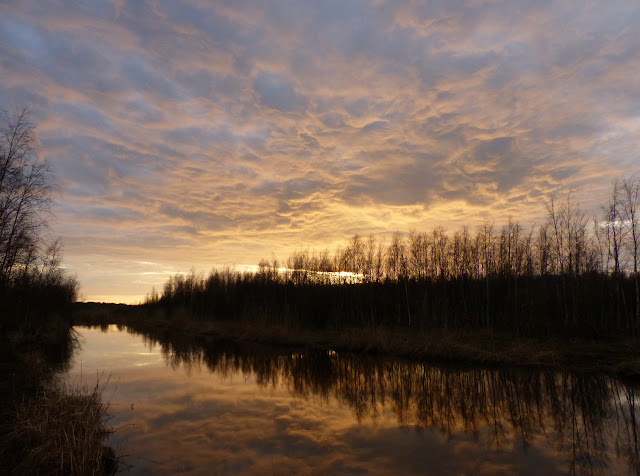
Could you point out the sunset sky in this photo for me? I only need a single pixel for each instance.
(200, 133)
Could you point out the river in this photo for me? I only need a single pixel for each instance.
(185, 407)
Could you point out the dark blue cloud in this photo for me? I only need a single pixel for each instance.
(285, 116)
(376, 126)
(278, 92)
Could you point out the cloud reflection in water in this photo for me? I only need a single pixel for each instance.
(217, 408)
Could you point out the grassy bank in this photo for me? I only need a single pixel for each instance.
(618, 357)
(60, 430)
(45, 426)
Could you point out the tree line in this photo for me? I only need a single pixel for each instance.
(32, 283)
(572, 275)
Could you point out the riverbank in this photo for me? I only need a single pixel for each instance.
(45, 426)
(616, 357)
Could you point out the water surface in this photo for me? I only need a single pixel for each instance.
(189, 407)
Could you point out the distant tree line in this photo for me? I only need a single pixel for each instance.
(32, 283)
(572, 275)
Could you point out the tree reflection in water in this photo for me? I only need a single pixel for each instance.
(584, 416)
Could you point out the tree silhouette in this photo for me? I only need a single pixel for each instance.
(25, 193)
(560, 278)
(31, 279)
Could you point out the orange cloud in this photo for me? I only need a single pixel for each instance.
(205, 134)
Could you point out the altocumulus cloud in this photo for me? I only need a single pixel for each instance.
(217, 133)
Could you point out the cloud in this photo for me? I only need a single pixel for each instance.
(278, 93)
(298, 122)
(375, 126)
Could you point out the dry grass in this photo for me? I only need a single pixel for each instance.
(61, 430)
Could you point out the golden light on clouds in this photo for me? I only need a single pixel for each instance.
(188, 133)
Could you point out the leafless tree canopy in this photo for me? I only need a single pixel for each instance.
(32, 283)
(561, 277)
(25, 193)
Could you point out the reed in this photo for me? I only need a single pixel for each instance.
(60, 430)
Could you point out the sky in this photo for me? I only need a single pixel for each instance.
(198, 134)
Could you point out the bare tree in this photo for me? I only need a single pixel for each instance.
(630, 203)
(25, 192)
(631, 220)
(355, 258)
(614, 227)
(601, 245)
(370, 260)
(439, 261)
(575, 230)
(396, 258)
(615, 233)
(555, 219)
(418, 254)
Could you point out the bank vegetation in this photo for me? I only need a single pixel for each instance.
(45, 428)
(572, 276)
